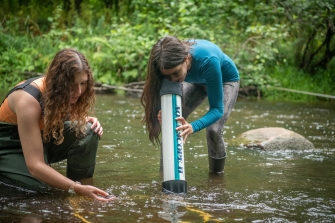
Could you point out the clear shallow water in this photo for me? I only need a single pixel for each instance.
(257, 186)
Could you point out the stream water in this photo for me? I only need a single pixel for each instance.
(257, 186)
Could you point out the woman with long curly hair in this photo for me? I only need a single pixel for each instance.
(45, 120)
(205, 72)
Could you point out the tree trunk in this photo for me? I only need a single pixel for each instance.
(328, 54)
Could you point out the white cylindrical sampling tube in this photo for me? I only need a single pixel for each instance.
(172, 143)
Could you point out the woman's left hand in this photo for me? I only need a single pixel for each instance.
(96, 125)
(185, 128)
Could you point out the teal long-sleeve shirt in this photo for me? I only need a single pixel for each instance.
(212, 67)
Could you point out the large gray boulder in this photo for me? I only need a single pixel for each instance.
(274, 139)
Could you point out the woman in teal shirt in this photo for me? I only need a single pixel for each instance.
(205, 72)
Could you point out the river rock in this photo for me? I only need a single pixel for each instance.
(274, 139)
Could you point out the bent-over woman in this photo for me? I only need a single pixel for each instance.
(205, 72)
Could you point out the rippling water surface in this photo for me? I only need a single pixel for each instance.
(257, 186)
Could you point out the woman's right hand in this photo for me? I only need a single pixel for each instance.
(93, 192)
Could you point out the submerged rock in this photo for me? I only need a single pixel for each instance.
(274, 139)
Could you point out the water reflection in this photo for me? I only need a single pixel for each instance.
(31, 219)
(258, 186)
(170, 209)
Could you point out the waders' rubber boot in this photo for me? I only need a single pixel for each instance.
(217, 165)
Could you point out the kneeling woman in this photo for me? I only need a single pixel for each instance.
(45, 120)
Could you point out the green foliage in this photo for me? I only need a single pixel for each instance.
(19, 56)
(259, 52)
(293, 78)
(262, 37)
(312, 27)
(116, 60)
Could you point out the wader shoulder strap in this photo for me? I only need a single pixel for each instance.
(33, 91)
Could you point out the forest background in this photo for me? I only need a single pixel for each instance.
(274, 43)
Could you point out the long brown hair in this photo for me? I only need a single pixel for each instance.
(167, 53)
(59, 81)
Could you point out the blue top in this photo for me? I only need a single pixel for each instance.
(210, 66)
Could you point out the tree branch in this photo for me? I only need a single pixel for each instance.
(253, 39)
